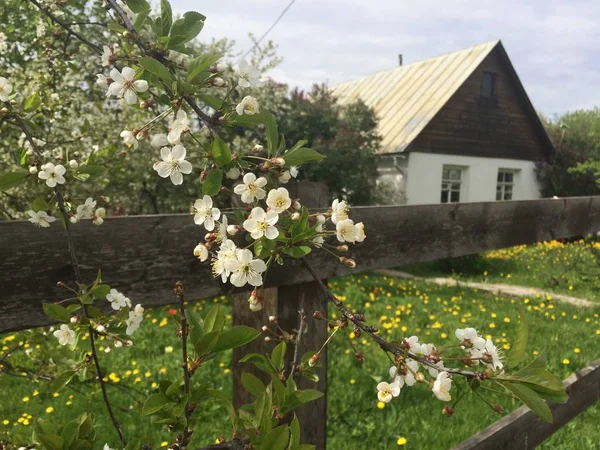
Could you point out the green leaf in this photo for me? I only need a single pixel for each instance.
(308, 395)
(101, 291)
(519, 347)
(32, 103)
(12, 179)
(62, 380)
(297, 252)
(116, 28)
(155, 67)
(278, 355)
(252, 384)
(155, 403)
(300, 156)
(221, 152)
(51, 441)
(166, 17)
(92, 170)
(212, 183)
(277, 439)
(138, 6)
(259, 361)
(224, 398)
(186, 28)
(70, 432)
(235, 337)
(214, 320)
(249, 121)
(272, 132)
(39, 204)
(200, 64)
(56, 312)
(212, 101)
(531, 399)
(43, 426)
(206, 343)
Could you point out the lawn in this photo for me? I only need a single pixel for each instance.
(569, 336)
(571, 268)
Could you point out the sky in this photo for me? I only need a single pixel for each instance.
(553, 45)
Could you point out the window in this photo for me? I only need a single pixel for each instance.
(506, 183)
(451, 184)
(488, 85)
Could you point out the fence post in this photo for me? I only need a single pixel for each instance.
(284, 303)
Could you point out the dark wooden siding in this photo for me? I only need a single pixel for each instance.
(500, 127)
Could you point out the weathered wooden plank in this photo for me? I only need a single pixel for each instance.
(284, 303)
(523, 430)
(145, 255)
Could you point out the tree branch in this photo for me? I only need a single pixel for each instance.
(185, 435)
(298, 339)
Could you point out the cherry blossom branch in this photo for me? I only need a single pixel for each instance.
(371, 330)
(66, 27)
(185, 436)
(76, 269)
(298, 339)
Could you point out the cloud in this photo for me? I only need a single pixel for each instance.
(553, 44)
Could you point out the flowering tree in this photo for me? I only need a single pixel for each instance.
(155, 73)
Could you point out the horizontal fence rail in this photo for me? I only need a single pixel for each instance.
(523, 430)
(145, 255)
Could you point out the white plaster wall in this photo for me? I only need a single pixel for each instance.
(424, 178)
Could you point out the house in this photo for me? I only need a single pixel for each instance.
(455, 128)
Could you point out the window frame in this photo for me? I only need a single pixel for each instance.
(492, 77)
(503, 184)
(454, 185)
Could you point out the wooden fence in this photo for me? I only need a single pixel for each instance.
(145, 255)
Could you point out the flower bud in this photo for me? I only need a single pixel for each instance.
(342, 248)
(313, 360)
(118, 344)
(100, 328)
(321, 218)
(278, 162)
(448, 411)
(73, 219)
(232, 230)
(73, 164)
(360, 357)
(33, 170)
(222, 66)
(272, 319)
(233, 173)
(265, 328)
(267, 338)
(209, 237)
(257, 148)
(318, 315)
(107, 349)
(255, 301)
(296, 205)
(420, 377)
(74, 319)
(348, 262)
(357, 332)
(498, 408)
(129, 343)
(218, 81)
(296, 216)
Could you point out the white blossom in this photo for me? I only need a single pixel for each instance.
(99, 216)
(319, 240)
(129, 139)
(3, 43)
(261, 224)
(33, 170)
(201, 252)
(179, 125)
(386, 391)
(160, 140)
(205, 213)
(222, 66)
(222, 229)
(245, 269)
(86, 211)
(285, 177)
(410, 369)
(279, 200)
(5, 89)
(52, 174)
(40, 218)
(106, 55)
(321, 219)
(73, 164)
(173, 164)
(339, 211)
(345, 230)
(102, 81)
(413, 344)
(359, 231)
(225, 253)
(490, 354)
(65, 335)
(441, 387)
(470, 339)
(123, 85)
(294, 171)
(248, 75)
(251, 189)
(433, 371)
(248, 106)
(135, 318)
(233, 173)
(118, 300)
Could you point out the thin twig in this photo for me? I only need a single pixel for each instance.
(76, 269)
(297, 341)
(385, 345)
(185, 437)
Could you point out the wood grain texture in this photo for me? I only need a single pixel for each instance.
(145, 255)
(284, 303)
(523, 430)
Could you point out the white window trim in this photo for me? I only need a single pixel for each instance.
(504, 184)
(462, 193)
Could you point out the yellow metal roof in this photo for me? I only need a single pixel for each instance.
(406, 98)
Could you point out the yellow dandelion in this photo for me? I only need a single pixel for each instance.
(402, 440)
(49, 410)
(566, 361)
(380, 405)
(577, 350)
(25, 399)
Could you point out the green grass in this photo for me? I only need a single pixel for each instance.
(399, 308)
(556, 266)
